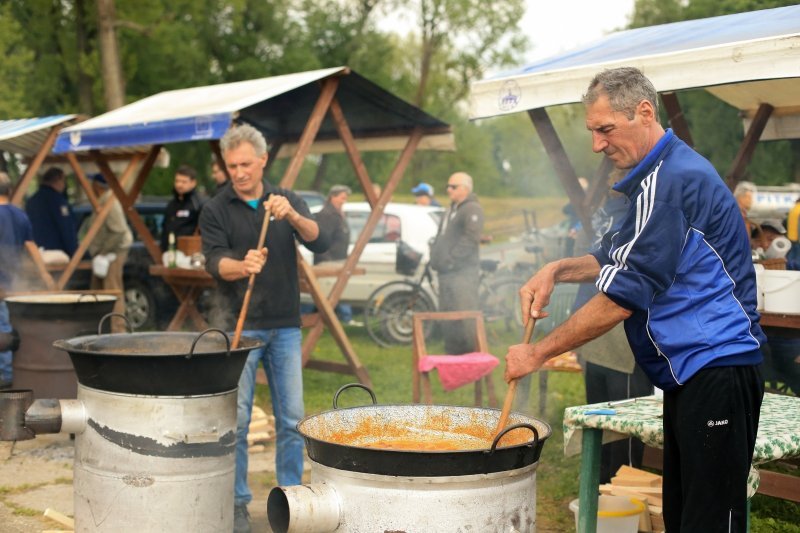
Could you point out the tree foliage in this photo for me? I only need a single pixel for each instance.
(52, 64)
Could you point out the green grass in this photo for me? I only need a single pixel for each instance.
(557, 477)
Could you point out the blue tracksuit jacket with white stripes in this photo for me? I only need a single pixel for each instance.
(680, 260)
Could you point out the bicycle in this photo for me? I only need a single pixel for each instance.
(390, 307)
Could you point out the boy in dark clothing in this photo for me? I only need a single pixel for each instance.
(183, 211)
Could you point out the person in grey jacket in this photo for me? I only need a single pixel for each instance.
(455, 257)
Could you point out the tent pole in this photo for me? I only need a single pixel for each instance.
(563, 167)
(83, 181)
(33, 168)
(677, 120)
(329, 87)
(330, 319)
(748, 146)
(352, 152)
(127, 201)
(372, 221)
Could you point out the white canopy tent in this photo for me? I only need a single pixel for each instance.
(745, 59)
(749, 60)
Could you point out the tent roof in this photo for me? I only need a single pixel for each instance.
(25, 136)
(744, 59)
(279, 106)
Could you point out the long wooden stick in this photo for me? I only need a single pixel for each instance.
(237, 336)
(512, 386)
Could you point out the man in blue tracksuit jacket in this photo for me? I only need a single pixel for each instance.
(678, 271)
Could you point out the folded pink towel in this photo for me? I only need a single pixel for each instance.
(458, 370)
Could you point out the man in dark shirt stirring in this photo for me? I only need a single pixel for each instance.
(230, 224)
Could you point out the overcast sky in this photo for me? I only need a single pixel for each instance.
(557, 25)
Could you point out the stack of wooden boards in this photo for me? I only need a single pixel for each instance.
(644, 486)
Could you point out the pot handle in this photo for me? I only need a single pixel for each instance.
(500, 435)
(348, 386)
(109, 315)
(81, 295)
(194, 343)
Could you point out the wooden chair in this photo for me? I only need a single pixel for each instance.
(420, 351)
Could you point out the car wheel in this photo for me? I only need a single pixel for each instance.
(139, 305)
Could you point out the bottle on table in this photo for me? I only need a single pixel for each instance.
(172, 255)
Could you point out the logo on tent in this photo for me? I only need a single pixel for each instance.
(202, 127)
(510, 96)
(75, 138)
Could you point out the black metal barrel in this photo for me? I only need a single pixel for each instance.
(43, 318)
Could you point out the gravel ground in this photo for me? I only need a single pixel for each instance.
(37, 474)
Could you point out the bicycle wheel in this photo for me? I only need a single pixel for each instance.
(389, 310)
(499, 301)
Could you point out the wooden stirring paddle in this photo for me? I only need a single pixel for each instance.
(237, 335)
(512, 386)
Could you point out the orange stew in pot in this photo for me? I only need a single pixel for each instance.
(429, 436)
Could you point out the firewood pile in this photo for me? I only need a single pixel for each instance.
(644, 486)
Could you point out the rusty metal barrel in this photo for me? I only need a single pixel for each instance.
(41, 319)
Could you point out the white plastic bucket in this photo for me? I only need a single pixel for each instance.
(615, 514)
(759, 286)
(782, 291)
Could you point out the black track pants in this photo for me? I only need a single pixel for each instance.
(710, 426)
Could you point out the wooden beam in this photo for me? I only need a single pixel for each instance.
(329, 87)
(144, 171)
(83, 181)
(273, 155)
(599, 185)
(33, 168)
(352, 152)
(83, 246)
(372, 221)
(677, 120)
(748, 146)
(127, 201)
(330, 319)
(564, 170)
(217, 152)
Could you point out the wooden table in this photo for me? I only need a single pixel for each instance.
(191, 282)
(780, 324)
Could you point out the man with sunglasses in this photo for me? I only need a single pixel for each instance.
(455, 257)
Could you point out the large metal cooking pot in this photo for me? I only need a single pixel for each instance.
(336, 439)
(40, 319)
(158, 364)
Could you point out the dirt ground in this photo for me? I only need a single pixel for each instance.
(37, 474)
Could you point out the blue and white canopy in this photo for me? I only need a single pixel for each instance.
(25, 136)
(744, 59)
(279, 106)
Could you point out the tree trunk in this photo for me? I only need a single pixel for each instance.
(85, 104)
(113, 81)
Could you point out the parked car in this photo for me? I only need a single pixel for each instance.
(415, 225)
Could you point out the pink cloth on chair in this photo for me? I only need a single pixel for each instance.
(458, 370)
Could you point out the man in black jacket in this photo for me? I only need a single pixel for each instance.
(183, 211)
(455, 257)
(331, 217)
(230, 224)
(51, 215)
